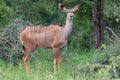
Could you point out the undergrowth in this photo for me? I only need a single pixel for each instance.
(76, 65)
(41, 66)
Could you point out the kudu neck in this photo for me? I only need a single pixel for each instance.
(68, 27)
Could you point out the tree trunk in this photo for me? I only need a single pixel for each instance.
(97, 22)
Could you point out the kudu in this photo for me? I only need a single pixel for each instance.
(53, 36)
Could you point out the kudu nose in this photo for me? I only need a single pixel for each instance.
(71, 16)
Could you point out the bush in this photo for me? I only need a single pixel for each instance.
(5, 14)
(10, 48)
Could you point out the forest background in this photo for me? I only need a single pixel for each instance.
(85, 61)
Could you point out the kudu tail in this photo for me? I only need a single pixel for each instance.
(23, 48)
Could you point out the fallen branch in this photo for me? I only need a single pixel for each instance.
(112, 31)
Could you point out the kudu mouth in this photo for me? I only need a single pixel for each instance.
(71, 16)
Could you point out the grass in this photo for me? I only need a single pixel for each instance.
(41, 66)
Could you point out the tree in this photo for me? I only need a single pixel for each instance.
(97, 22)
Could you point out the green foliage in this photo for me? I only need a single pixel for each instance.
(111, 14)
(111, 8)
(5, 13)
(118, 19)
(36, 12)
(106, 65)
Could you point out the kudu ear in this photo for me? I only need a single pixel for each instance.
(62, 7)
(75, 8)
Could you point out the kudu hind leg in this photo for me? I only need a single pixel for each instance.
(26, 57)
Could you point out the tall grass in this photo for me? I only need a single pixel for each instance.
(41, 66)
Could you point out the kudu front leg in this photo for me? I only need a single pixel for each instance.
(59, 59)
(55, 51)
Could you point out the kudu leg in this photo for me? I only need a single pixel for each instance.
(55, 50)
(26, 57)
(59, 58)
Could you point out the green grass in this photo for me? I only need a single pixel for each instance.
(41, 66)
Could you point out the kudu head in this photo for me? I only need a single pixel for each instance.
(70, 12)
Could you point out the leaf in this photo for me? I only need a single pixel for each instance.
(117, 20)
